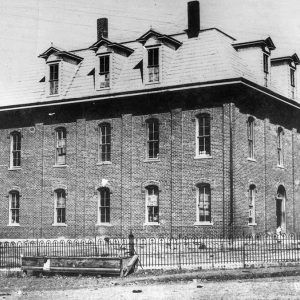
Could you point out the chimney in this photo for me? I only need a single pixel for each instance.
(193, 19)
(102, 28)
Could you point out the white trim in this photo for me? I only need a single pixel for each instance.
(203, 223)
(60, 224)
(203, 156)
(104, 224)
(151, 224)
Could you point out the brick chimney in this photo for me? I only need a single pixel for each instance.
(102, 28)
(193, 8)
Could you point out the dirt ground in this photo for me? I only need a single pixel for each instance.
(262, 288)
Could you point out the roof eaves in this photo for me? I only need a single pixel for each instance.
(267, 42)
(96, 45)
(293, 58)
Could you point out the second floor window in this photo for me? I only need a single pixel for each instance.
(250, 134)
(153, 138)
(15, 152)
(104, 71)
(104, 142)
(53, 79)
(203, 135)
(61, 143)
(14, 207)
(60, 207)
(153, 64)
(280, 146)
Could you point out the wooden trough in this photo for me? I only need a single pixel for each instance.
(94, 265)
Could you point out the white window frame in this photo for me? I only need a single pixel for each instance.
(146, 65)
(266, 67)
(58, 78)
(280, 153)
(106, 75)
(18, 152)
(203, 154)
(251, 138)
(60, 146)
(204, 186)
(154, 199)
(10, 197)
(106, 207)
(56, 192)
(252, 201)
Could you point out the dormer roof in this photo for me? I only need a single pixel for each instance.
(111, 45)
(161, 37)
(293, 58)
(60, 53)
(263, 43)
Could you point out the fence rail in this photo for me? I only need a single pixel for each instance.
(206, 252)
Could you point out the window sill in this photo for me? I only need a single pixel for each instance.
(14, 168)
(203, 224)
(152, 160)
(151, 224)
(203, 157)
(252, 224)
(103, 89)
(59, 224)
(251, 159)
(150, 83)
(104, 224)
(60, 166)
(280, 166)
(14, 225)
(52, 95)
(104, 163)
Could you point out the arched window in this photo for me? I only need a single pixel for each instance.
(152, 204)
(280, 146)
(61, 145)
(250, 135)
(204, 203)
(104, 206)
(60, 207)
(14, 208)
(252, 192)
(15, 149)
(281, 208)
(104, 148)
(203, 139)
(152, 138)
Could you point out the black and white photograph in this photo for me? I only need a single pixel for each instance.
(149, 149)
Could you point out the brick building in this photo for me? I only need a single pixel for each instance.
(191, 133)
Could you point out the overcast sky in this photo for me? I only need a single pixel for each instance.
(27, 27)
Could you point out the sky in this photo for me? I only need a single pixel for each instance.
(27, 27)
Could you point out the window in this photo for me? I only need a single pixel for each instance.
(153, 64)
(203, 135)
(60, 207)
(292, 75)
(53, 79)
(266, 63)
(252, 192)
(204, 203)
(61, 137)
(280, 146)
(15, 149)
(104, 71)
(250, 134)
(14, 207)
(104, 206)
(153, 138)
(152, 207)
(104, 142)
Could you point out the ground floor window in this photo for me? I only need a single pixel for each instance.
(204, 203)
(152, 206)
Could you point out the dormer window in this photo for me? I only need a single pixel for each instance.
(153, 65)
(266, 68)
(104, 71)
(53, 79)
(292, 76)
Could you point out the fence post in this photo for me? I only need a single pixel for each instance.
(179, 252)
(131, 243)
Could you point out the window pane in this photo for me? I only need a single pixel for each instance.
(204, 204)
(203, 135)
(104, 208)
(105, 142)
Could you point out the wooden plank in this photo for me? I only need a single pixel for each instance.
(81, 270)
(33, 261)
(85, 262)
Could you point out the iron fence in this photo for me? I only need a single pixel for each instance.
(204, 252)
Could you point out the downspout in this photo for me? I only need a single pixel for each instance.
(223, 147)
(171, 177)
(231, 167)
